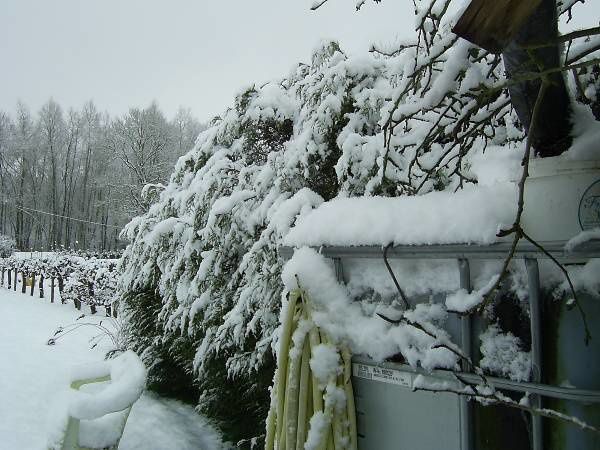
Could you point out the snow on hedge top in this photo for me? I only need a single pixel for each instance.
(472, 215)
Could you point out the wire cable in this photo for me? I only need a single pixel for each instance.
(25, 209)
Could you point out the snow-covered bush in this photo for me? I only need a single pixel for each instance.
(105, 284)
(76, 289)
(201, 279)
(80, 280)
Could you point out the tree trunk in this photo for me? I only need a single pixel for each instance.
(551, 134)
(20, 227)
(83, 206)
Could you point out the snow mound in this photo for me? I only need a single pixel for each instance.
(103, 412)
(128, 379)
(582, 238)
(502, 355)
(472, 215)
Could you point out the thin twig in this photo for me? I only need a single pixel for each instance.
(496, 397)
(451, 348)
(565, 38)
(318, 4)
(588, 335)
(516, 227)
(391, 272)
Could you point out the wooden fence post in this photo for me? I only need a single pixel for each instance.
(2, 280)
(15, 285)
(52, 290)
(91, 297)
(32, 283)
(23, 282)
(61, 284)
(41, 285)
(9, 279)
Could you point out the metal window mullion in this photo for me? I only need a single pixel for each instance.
(466, 410)
(465, 321)
(339, 269)
(533, 277)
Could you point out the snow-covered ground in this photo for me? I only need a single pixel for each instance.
(32, 373)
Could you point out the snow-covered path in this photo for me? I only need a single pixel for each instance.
(32, 372)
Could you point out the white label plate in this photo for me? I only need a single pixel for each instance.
(382, 374)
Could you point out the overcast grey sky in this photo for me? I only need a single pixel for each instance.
(194, 53)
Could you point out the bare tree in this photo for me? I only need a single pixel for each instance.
(52, 129)
(140, 140)
(75, 179)
(70, 175)
(186, 129)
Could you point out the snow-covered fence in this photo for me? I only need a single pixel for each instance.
(90, 281)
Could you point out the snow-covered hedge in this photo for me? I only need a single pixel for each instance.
(201, 278)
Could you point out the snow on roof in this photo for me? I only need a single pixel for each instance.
(472, 215)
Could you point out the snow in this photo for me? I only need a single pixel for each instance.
(417, 277)
(325, 363)
(586, 134)
(274, 102)
(584, 278)
(581, 238)
(585, 46)
(473, 216)
(35, 375)
(462, 301)
(497, 164)
(347, 323)
(224, 205)
(421, 382)
(334, 397)
(502, 354)
(102, 432)
(318, 424)
(128, 379)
